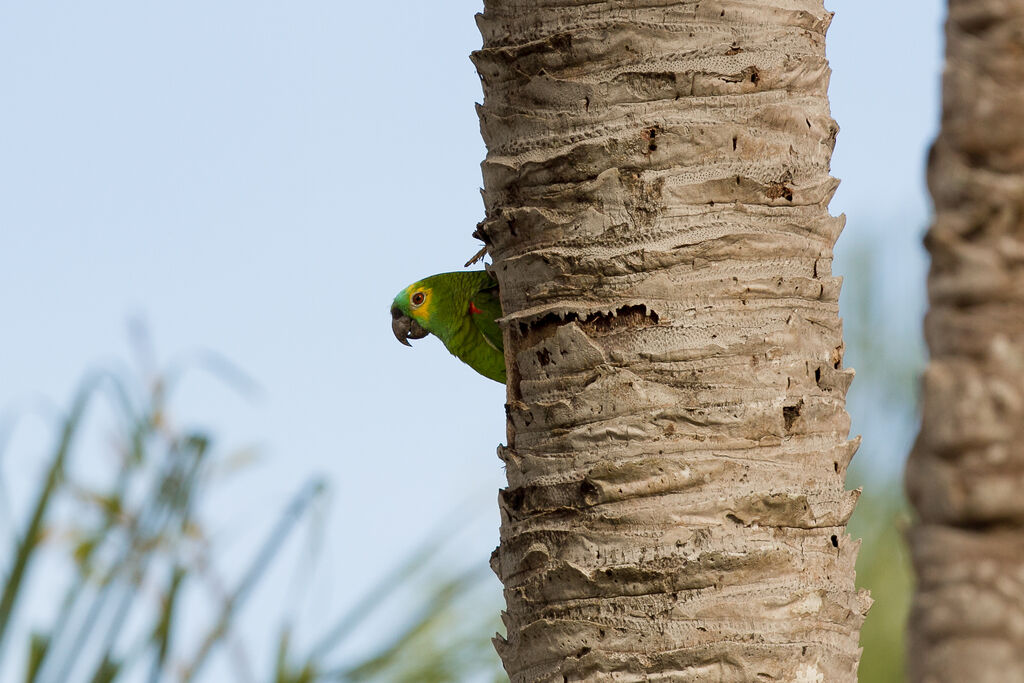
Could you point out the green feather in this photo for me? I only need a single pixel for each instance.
(488, 303)
(445, 309)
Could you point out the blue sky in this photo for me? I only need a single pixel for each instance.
(260, 179)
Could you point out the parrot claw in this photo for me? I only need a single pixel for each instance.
(405, 328)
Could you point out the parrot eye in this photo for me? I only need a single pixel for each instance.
(417, 299)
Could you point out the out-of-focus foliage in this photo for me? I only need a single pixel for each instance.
(884, 345)
(142, 531)
(884, 567)
(134, 547)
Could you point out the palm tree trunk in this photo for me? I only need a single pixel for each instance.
(656, 188)
(965, 476)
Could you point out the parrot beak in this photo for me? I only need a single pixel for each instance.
(405, 328)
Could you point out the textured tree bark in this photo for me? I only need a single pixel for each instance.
(965, 476)
(656, 189)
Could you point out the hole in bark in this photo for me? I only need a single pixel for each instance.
(734, 519)
(632, 317)
(513, 499)
(582, 652)
(600, 633)
(791, 413)
(652, 133)
(722, 14)
(803, 651)
(586, 104)
(817, 376)
(979, 24)
(836, 466)
(652, 147)
(734, 49)
(755, 76)
(776, 190)
(835, 541)
(808, 122)
(737, 180)
(589, 492)
(544, 357)
(734, 141)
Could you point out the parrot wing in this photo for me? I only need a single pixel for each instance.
(485, 309)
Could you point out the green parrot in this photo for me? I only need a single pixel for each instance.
(461, 309)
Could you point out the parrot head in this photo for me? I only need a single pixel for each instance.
(410, 312)
(462, 310)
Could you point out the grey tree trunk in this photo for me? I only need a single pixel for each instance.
(965, 476)
(656, 191)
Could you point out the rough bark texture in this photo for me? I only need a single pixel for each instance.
(656, 187)
(965, 476)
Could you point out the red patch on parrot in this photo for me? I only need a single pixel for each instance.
(474, 309)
